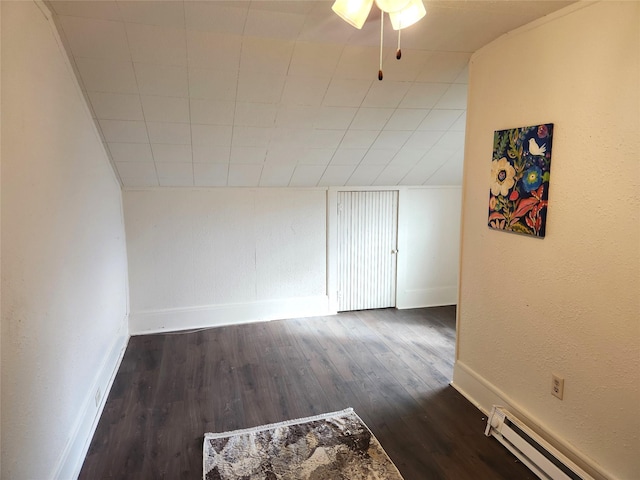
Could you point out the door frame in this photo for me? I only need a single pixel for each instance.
(332, 242)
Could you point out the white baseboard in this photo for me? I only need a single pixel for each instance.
(76, 449)
(207, 316)
(483, 394)
(427, 297)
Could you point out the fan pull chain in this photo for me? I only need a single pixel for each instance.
(381, 40)
(399, 52)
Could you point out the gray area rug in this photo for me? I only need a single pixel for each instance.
(335, 446)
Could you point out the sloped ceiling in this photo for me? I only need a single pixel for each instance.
(279, 93)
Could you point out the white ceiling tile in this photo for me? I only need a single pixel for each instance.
(251, 136)
(213, 50)
(166, 13)
(244, 175)
(421, 172)
(463, 77)
(394, 139)
(92, 38)
(319, 26)
(273, 24)
(406, 118)
(316, 156)
(314, 59)
(153, 44)
(378, 156)
(212, 112)
(175, 174)
(210, 174)
(306, 175)
(358, 62)
(173, 133)
(300, 90)
(407, 68)
(448, 174)
(210, 154)
(438, 119)
(265, 55)
(255, 114)
(444, 67)
(130, 152)
(165, 109)
(219, 16)
(137, 170)
(336, 175)
(288, 137)
(116, 106)
(212, 84)
(166, 153)
(263, 88)
(325, 138)
(335, 117)
(276, 175)
(454, 97)
(348, 156)
(460, 124)
(104, 10)
(346, 92)
(387, 94)
(359, 138)
(107, 76)
(424, 140)
(391, 175)
(124, 131)
(451, 141)
(407, 157)
(301, 116)
(163, 80)
(284, 155)
(248, 155)
(211, 135)
(371, 118)
(423, 95)
(365, 175)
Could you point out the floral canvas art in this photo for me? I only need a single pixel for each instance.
(519, 183)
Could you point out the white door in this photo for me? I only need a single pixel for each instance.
(367, 248)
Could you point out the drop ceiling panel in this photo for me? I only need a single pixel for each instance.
(279, 93)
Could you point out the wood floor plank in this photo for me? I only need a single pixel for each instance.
(392, 366)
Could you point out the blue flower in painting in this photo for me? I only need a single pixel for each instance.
(532, 179)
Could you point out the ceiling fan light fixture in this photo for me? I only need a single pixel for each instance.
(389, 6)
(410, 14)
(354, 12)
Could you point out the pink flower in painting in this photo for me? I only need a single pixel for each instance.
(514, 196)
(543, 131)
(498, 224)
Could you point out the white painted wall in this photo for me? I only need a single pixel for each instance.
(203, 257)
(64, 290)
(429, 246)
(569, 303)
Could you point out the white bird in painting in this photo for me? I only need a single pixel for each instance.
(535, 149)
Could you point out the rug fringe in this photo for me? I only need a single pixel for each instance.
(285, 423)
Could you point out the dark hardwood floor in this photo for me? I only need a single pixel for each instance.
(391, 366)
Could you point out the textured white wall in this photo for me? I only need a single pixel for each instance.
(569, 303)
(210, 256)
(64, 294)
(429, 246)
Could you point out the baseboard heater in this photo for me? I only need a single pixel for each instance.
(536, 453)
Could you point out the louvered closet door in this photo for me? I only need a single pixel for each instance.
(367, 246)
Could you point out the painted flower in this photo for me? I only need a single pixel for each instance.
(543, 131)
(492, 202)
(498, 224)
(502, 177)
(532, 179)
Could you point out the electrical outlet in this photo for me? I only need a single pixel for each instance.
(557, 386)
(98, 397)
